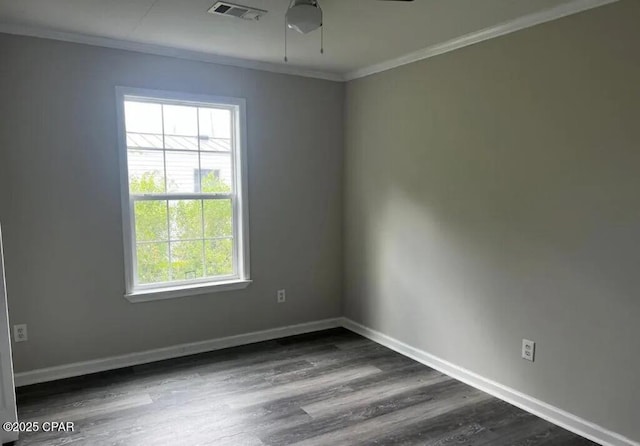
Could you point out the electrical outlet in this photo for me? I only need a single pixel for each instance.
(528, 350)
(20, 333)
(282, 296)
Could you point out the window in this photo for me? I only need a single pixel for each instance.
(184, 194)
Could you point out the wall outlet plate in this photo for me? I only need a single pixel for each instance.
(20, 333)
(528, 350)
(282, 296)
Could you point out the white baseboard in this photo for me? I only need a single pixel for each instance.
(116, 362)
(532, 405)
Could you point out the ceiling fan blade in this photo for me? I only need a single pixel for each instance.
(395, 0)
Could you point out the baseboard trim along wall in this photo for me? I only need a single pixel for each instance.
(131, 359)
(532, 405)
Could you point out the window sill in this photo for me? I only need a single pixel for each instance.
(185, 290)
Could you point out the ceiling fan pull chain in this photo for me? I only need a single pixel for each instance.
(322, 39)
(286, 59)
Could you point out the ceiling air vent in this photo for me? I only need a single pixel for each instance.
(238, 11)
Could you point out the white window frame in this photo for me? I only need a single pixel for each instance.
(241, 277)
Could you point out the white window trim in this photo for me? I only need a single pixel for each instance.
(242, 279)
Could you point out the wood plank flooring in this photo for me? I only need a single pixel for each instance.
(323, 389)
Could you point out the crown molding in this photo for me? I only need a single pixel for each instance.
(511, 26)
(502, 29)
(159, 50)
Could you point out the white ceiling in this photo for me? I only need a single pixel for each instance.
(358, 33)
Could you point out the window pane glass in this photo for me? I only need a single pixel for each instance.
(186, 260)
(146, 171)
(143, 117)
(219, 257)
(215, 123)
(180, 120)
(181, 142)
(144, 141)
(182, 171)
(151, 221)
(209, 144)
(186, 219)
(153, 262)
(216, 172)
(218, 218)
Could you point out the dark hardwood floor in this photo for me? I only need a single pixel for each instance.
(330, 388)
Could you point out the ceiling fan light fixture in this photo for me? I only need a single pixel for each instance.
(304, 17)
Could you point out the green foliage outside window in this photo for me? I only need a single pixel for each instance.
(186, 239)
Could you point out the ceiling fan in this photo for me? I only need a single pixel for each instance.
(305, 16)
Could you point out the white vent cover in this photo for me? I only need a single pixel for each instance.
(238, 11)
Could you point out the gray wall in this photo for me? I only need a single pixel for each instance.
(493, 194)
(60, 202)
